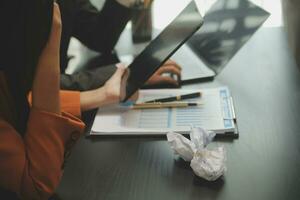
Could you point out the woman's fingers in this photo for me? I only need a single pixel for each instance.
(120, 72)
(165, 80)
(56, 15)
(134, 97)
(169, 69)
(116, 85)
(171, 62)
(123, 85)
(56, 28)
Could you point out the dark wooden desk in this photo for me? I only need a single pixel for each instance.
(263, 164)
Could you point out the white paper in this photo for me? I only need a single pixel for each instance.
(209, 164)
(182, 146)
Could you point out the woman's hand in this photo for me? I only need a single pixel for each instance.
(115, 87)
(45, 91)
(112, 92)
(53, 44)
(168, 67)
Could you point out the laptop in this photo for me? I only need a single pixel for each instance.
(228, 25)
(163, 47)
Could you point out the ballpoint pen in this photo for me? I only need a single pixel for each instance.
(165, 105)
(176, 98)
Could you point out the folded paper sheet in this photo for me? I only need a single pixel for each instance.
(207, 164)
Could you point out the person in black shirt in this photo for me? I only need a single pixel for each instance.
(99, 31)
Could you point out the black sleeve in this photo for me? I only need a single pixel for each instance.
(100, 31)
(88, 79)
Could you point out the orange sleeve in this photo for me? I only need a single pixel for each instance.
(70, 102)
(32, 166)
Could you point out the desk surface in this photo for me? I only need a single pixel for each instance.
(263, 164)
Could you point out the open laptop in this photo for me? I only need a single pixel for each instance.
(228, 25)
(163, 47)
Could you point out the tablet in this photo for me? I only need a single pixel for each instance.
(163, 47)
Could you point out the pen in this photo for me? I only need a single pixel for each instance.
(176, 98)
(164, 105)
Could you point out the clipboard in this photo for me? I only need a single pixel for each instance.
(229, 116)
(216, 114)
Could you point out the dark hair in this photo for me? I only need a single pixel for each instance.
(26, 27)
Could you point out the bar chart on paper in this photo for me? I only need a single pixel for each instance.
(167, 118)
(209, 115)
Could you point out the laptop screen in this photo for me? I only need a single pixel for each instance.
(229, 24)
(163, 47)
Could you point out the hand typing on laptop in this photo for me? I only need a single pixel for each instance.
(173, 71)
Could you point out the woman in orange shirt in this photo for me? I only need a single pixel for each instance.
(36, 138)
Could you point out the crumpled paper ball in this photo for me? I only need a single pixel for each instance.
(206, 163)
